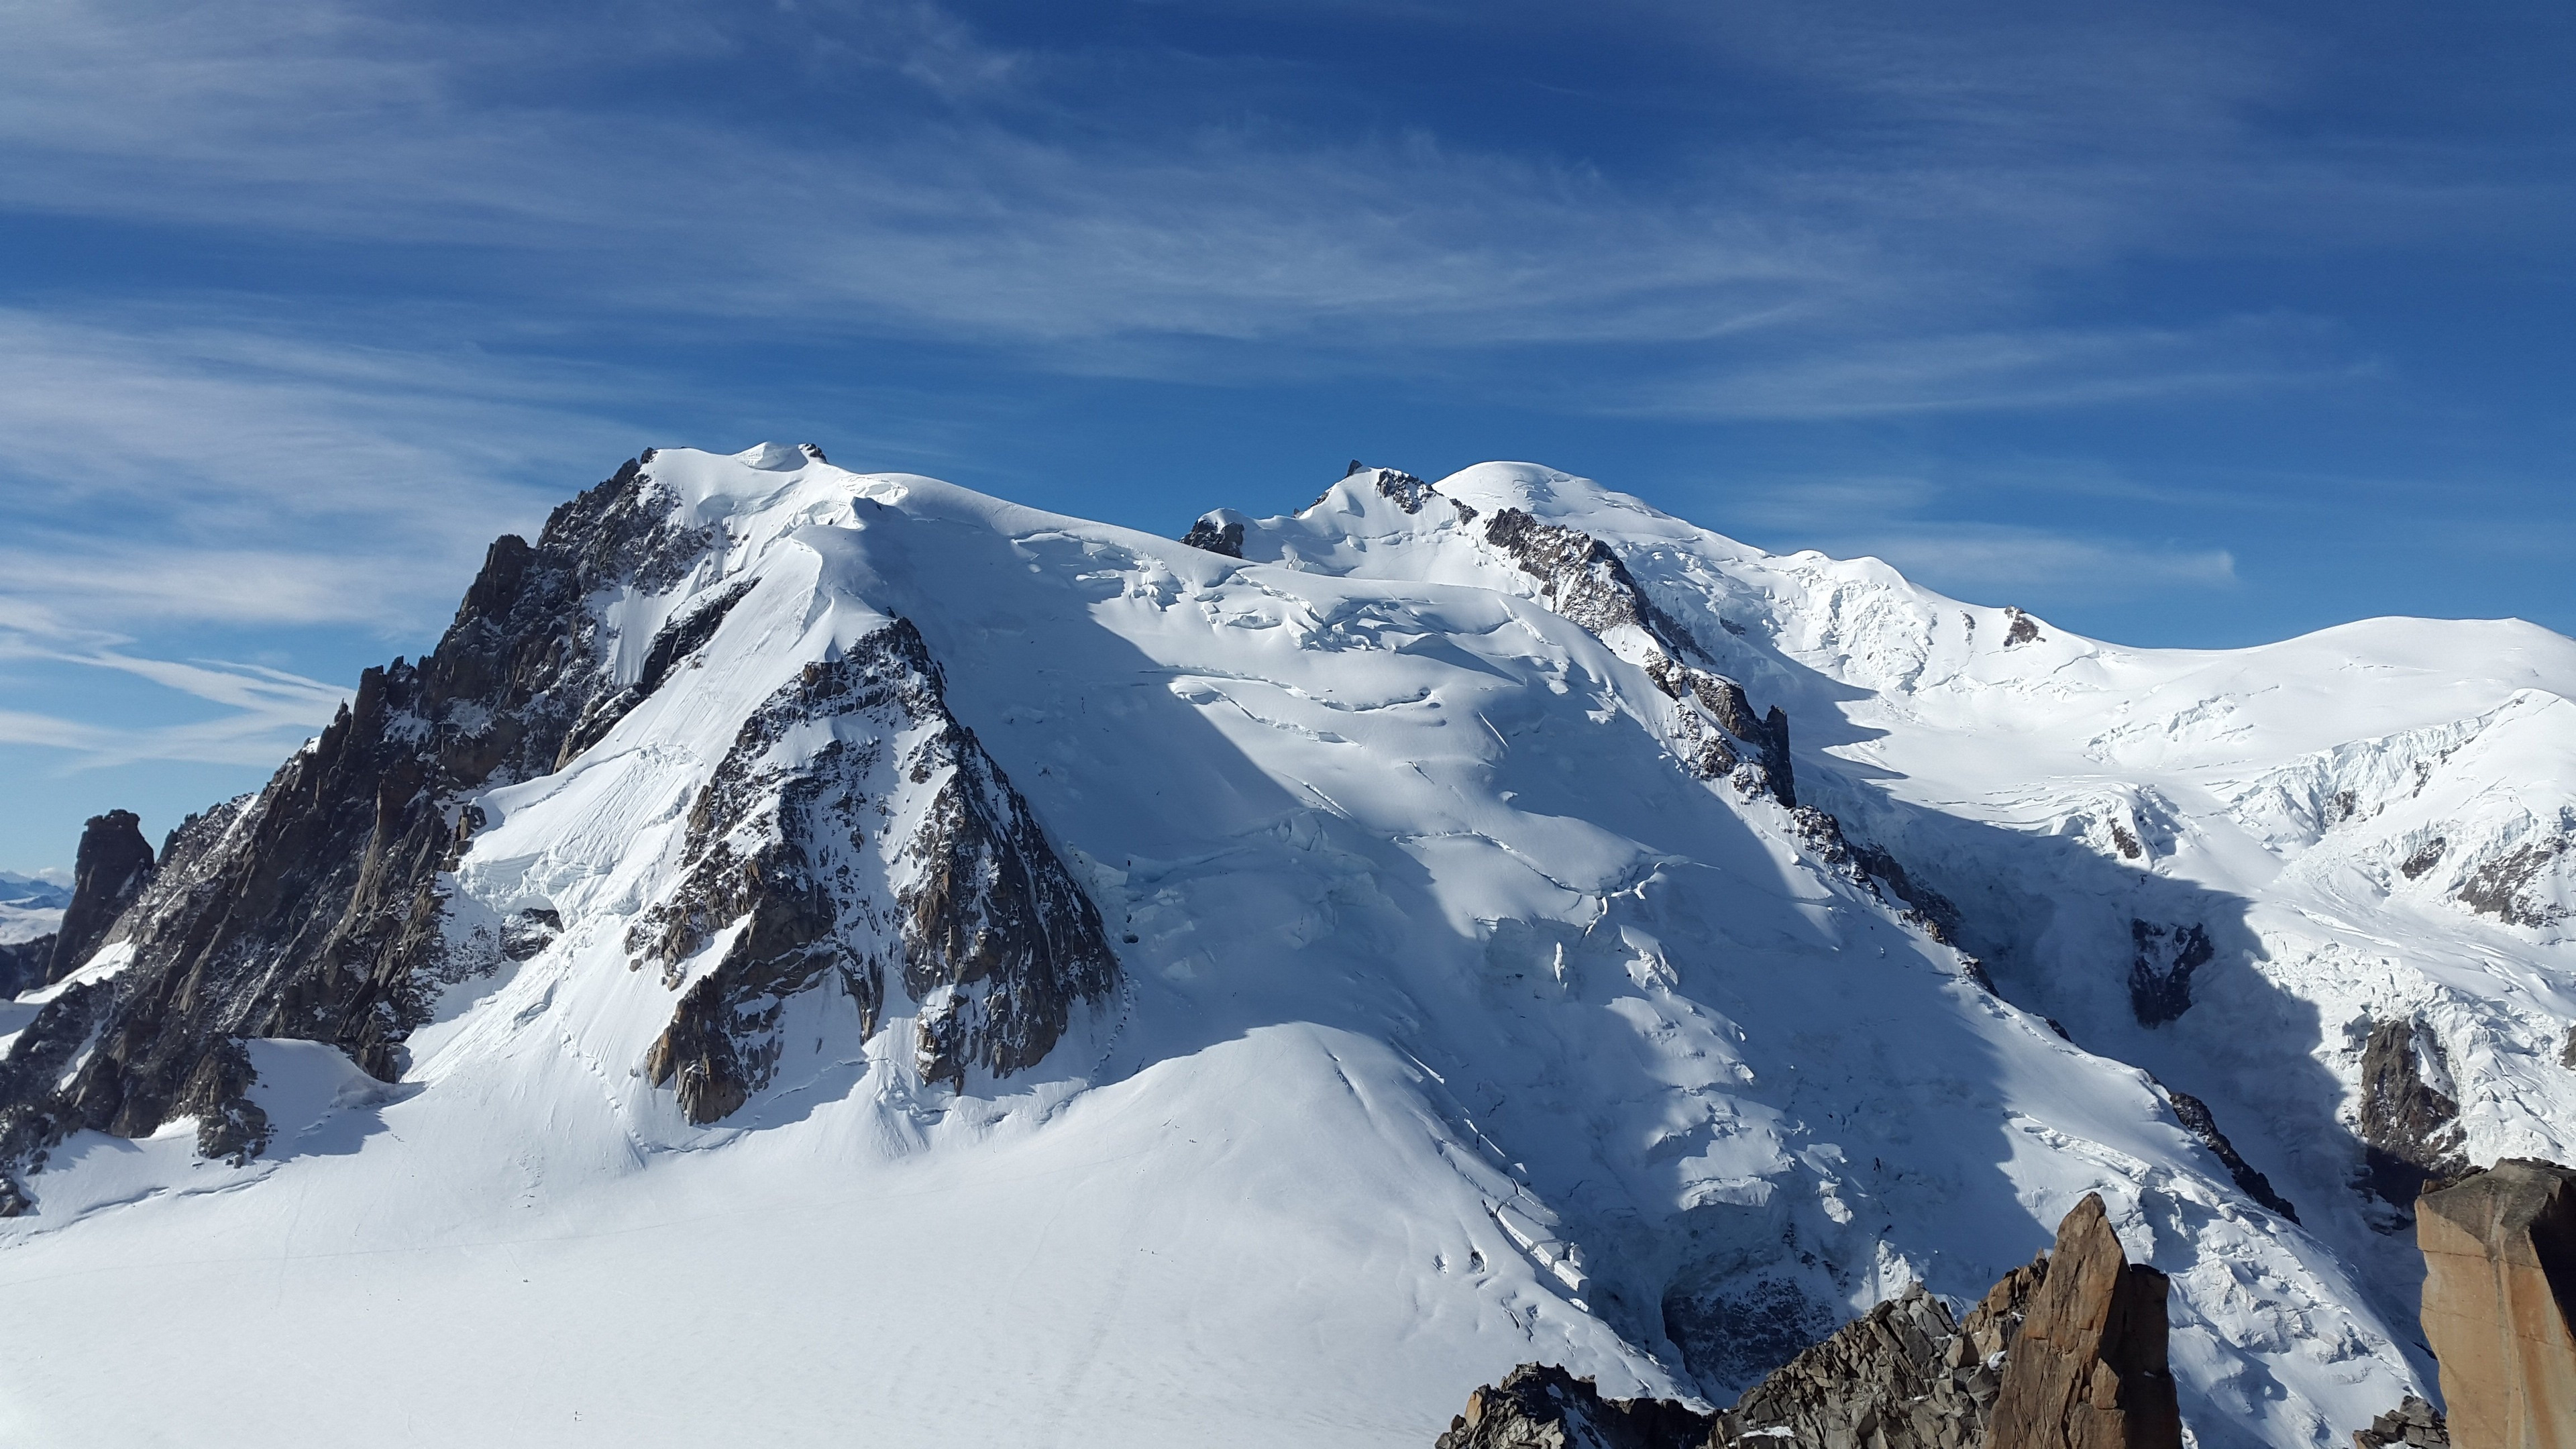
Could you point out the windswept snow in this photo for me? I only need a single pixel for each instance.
(1459, 1024)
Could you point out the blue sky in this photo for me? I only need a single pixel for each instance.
(2173, 324)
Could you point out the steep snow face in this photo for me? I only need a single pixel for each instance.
(982, 974)
(2322, 886)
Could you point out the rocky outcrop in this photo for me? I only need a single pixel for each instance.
(2065, 1352)
(2413, 1424)
(314, 910)
(2499, 1299)
(986, 929)
(2196, 1119)
(2410, 1129)
(2512, 887)
(23, 965)
(1902, 1376)
(1541, 1406)
(2088, 1368)
(1218, 531)
(112, 868)
(2161, 967)
(1403, 489)
(1580, 577)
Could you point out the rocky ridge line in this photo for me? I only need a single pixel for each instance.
(2066, 1352)
(984, 924)
(317, 910)
(314, 911)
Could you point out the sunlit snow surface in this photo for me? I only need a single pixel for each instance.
(1458, 1021)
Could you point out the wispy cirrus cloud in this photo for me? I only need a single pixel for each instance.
(316, 296)
(936, 182)
(258, 713)
(199, 472)
(199, 464)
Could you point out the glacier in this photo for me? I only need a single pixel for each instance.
(1461, 923)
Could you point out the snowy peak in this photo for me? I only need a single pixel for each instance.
(1470, 920)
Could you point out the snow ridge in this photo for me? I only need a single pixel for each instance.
(995, 969)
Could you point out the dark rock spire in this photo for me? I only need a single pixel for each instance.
(113, 867)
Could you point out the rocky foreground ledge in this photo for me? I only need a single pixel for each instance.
(2066, 1351)
(2069, 1353)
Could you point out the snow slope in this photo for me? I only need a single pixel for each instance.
(1463, 1016)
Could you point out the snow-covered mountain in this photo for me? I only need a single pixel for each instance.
(816, 953)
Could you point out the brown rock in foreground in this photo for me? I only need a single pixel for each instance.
(2088, 1369)
(1901, 1376)
(1541, 1406)
(2499, 1287)
(2413, 1424)
(2067, 1352)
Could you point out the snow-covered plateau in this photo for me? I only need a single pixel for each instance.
(819, 957)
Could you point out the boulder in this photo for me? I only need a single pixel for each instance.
(2499, 1287)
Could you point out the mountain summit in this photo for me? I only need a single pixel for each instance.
(814, 951)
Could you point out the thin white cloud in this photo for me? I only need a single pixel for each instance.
(205, 467)
(986, 207)
(263, 713)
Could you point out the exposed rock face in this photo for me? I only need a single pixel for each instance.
(1408, 492)
(1583, 579)
(2160, 971)
(2413, 1424)
(2426, 856)
(2088, 1369)
(2065, 1352)
(987, 929)
(2410, 1129)
(113, 867)
(1541, 1406)
(22, 965)
(2509, 887)
(313, 910)
(2499, 1298)
(1902, 1376)
(2021, 628)
(316, 910)
(2196, 1119)
(1580, 577)
(1217, 534)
